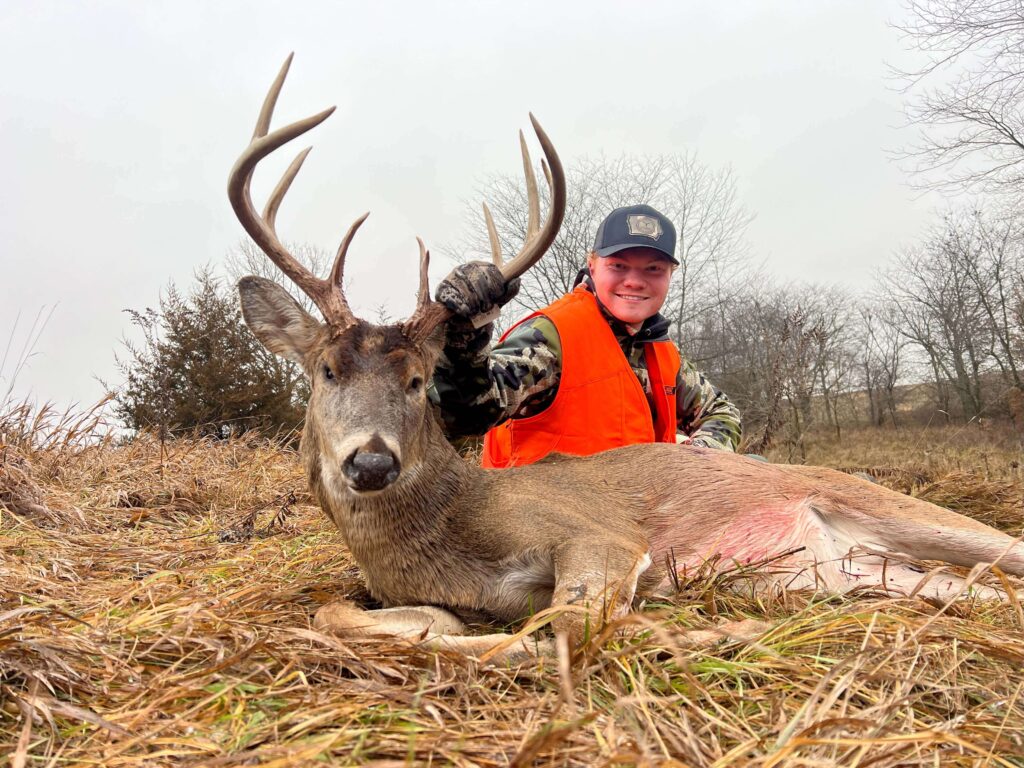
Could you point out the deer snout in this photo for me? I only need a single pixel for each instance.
(372, 467)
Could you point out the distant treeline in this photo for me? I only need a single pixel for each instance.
(939, 337)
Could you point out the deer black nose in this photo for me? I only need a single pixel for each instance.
(372, 470)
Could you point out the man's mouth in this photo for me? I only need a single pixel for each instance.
(630, 297)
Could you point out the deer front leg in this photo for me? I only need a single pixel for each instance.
(596, 581)
(603, 586)
(349, 620)
(430, 627)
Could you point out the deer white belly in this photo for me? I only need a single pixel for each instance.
(830, 552)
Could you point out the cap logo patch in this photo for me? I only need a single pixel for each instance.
(641, 224)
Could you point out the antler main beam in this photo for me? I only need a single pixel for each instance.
(430, 314)
(326, 294)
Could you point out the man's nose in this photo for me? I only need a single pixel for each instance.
(634, 277)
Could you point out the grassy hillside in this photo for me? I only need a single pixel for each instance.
(155, 606)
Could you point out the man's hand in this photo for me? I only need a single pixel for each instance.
(475, 291)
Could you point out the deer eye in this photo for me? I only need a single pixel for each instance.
(415, 384)
(328, 373)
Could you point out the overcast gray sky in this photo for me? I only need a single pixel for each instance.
(119, 122)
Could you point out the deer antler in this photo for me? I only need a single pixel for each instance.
(326, 294)
(429, 314)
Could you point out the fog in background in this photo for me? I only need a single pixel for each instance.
(119, 123)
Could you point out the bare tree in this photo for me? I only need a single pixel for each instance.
(940, 310)
(785, 357)
(749, 364)
(711, 225)
(881, 358)
(1017, 314)
(1015, 398)
(702, 203)
(248, 259)
(838, 368)
(815, 357)
(990, 249)
(972, 128)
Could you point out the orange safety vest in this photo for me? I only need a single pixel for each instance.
(600, 403)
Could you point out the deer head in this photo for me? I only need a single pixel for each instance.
(368, 411)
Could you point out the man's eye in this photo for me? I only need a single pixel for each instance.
(328, 373)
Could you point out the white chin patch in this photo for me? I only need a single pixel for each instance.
(365, 494)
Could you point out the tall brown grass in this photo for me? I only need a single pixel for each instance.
(155, 605)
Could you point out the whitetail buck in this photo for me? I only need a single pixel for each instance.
(439, 539)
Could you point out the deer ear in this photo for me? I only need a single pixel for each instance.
(276, 319)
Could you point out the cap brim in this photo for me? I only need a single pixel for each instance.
(613, 249)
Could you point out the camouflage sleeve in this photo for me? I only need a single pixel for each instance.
(476, 387)
(704, 412)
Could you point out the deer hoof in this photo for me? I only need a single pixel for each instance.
(729, 631)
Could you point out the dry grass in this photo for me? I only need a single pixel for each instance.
(155, 610)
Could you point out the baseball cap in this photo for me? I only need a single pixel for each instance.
(636, 226)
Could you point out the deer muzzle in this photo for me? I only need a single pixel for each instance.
(372, 467)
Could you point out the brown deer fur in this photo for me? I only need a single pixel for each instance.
(589, 531)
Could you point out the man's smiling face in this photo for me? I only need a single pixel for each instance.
(631, 284)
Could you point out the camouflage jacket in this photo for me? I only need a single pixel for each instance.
(477, 386)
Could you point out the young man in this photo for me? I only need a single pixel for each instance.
(592, 371)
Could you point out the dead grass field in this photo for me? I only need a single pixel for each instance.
(155, 610)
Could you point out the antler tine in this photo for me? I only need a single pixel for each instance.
(492, 235)
(339, 308)
(267, 110)
(547, 172)
(532, 200)
(270, 210)
(262, 231)
(537, 244)
(338, 269)
(423, 296)
(430, 314)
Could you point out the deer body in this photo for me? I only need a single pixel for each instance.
(441, 541)
(501, 543)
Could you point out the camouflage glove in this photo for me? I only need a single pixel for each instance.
(476, 291)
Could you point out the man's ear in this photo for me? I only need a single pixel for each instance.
(276, 318)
